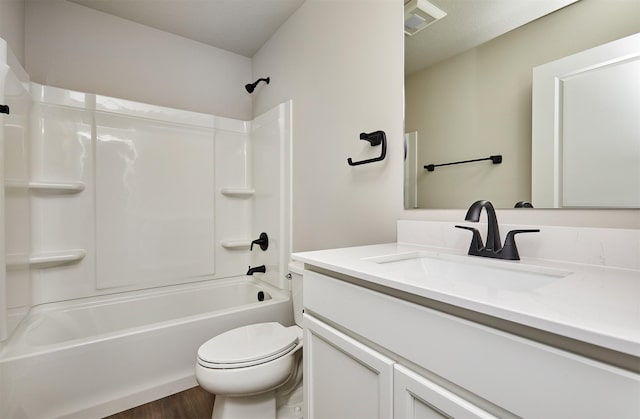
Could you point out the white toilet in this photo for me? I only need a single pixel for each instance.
(243, 367)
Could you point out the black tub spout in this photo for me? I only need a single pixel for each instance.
(255, 269)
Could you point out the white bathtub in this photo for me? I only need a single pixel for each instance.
(97, 356)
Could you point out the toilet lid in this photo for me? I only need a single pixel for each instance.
(248, 345)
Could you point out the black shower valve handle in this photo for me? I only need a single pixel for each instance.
(262, 241)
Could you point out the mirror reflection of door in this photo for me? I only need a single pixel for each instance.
(586, 121)
(411, 170)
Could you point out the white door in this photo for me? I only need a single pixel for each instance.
(586, 130)
(411, 170)
(344, 378)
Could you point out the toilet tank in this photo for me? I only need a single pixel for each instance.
(295, 270)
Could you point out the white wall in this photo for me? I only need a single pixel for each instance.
(341, 62)
(12, 22)
(74, 47)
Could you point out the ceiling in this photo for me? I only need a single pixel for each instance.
(469, 23)
(243, 26)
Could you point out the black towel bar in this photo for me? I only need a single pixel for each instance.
(495, 159)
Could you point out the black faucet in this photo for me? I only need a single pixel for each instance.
(493, 248)
(255, 269)
(262, 241)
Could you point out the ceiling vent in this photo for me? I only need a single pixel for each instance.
(418, 14)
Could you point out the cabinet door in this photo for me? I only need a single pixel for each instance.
(416, 397)
(344, 378)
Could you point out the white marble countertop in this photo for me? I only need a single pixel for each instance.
(594, 304)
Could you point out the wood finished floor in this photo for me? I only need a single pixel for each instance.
(193, 403)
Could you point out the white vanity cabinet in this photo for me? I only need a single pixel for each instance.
(441, 365)
(347, 379)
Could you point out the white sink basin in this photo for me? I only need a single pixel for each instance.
(468, 270)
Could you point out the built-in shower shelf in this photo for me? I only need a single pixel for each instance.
(235, 244)
(57, 187)
(238, 192)
(52, 187)
(52, 259)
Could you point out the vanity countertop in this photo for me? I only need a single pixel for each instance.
(594, 304)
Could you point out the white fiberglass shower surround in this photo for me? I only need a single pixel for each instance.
(126, 231)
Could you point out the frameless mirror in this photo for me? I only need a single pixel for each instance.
(468, 97)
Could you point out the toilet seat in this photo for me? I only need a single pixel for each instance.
(247, 346)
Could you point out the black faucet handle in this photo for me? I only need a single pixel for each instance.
(476, 239)
(510, 240)
(509, 250)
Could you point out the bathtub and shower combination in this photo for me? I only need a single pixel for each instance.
(109, 294)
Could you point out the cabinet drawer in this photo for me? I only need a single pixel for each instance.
(522, 376)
